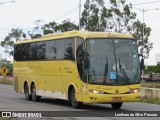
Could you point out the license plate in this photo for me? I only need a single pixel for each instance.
(116, 98)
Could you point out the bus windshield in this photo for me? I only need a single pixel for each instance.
(113, 61)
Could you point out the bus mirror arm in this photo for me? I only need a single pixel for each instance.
(140, 55)
(142, 64)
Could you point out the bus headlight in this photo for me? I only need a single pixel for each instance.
(96, 91)
(134, 90)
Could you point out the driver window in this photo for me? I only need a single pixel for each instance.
(80, 65)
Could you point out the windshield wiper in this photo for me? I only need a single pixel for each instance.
(123, 71)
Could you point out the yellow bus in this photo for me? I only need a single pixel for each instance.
(80, 67)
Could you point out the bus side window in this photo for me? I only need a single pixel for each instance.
(59, 49)
(17, 52)
(26, 47)
(50, 50)
(33, 51)
(69, 49)
(80, 66)
(41, 48)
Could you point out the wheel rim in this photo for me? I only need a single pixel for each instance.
(33, 92)
(26, 91)
(73, 98)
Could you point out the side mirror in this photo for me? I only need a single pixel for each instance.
(142, 64)
(140, 55)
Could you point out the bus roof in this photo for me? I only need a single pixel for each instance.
(83, 34)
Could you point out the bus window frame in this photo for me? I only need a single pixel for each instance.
(83, 49)
(73, 38)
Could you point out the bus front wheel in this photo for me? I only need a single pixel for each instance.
(73, 100)
(26, 92)
(35, 98)
(117, 105)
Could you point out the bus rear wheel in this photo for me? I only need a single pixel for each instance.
(117, 105)
(35, 98)
(74, 102)
(26, 92)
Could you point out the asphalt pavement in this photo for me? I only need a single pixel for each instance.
(12, 101)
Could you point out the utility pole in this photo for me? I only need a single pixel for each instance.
(143, 11)
(79, 14)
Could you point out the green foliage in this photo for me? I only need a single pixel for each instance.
(150, 100)
(137, 33)
(3, 118)
(157, 68)
(153, 69)
(8, 65)
(96, 16)
(6, 81)
(67, 25)
(8, 42)
(37, 32)
(50, 28)
(53, 27)
(118, 18)
(150, 85)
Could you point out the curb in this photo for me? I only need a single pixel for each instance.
(150, 92)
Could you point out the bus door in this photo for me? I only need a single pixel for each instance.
(82, 71)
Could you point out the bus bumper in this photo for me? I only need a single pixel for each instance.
(105, 98)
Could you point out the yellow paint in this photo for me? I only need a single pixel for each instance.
(54, 77)
(4, 71)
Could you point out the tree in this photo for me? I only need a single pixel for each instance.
(94, 15)
(150, 69)
(67, 25)
(37, 31)
(144, 45)
(50, 28)
(53, 27)
(153, 69)
(118, 18)
(10, 39)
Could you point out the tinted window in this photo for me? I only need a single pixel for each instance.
(26, 47)
(69, 49)
(41, 48)
(33, 51)
(81, 69)
(50, 50)
(17, 52)
(59, 49)
(22, 55)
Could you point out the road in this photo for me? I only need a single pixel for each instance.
(12, 101)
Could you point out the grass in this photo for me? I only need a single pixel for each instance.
(6, 81)
(150, 85)
(3, 118)
(7, 118)
(150, 100)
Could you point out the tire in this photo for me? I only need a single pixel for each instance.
(26, 92)
(117, 105)
(73, 100)
(35, 98)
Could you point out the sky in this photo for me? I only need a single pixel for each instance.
(23, 14)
